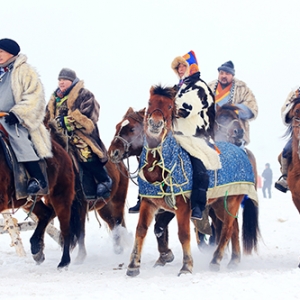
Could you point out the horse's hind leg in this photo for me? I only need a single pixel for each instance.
(147, 211)
(235, 243)
(162, 236)
(44, 215)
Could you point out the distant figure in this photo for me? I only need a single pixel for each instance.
(267, 175)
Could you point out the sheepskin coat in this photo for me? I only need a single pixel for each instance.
(241, 95)
(84, 109)
(287, 106)
(30, 104)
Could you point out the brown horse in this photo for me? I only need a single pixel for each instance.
(57, 203)
(111, 209)
(126, 131)
(294, 160)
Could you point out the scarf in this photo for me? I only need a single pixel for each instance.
(224, 95)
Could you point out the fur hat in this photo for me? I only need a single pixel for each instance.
(189, 60)
(68, 74)
(10, 46)
(227, 67)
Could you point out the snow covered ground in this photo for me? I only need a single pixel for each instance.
(272, 273)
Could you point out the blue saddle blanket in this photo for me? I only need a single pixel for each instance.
(236, 168)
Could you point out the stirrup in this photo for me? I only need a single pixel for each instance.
(280, 187)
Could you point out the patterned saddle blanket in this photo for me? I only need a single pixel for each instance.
(235, 177)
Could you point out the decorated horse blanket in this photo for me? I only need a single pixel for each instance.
(236, 176)
(174, 162)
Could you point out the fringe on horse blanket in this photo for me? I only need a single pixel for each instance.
(236, 176)
(198, 147)
(175, 161)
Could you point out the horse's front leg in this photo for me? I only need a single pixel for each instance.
(161, 231)
(147, 211)
(183, 214)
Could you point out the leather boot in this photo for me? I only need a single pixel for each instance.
(135, 209)
(104, 188)
(37, 181)
(281, 183)
(198, 198)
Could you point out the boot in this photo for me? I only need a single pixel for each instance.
(135, 209)
(281, 183)
(104, 188)
(198, 201)
(37, 181)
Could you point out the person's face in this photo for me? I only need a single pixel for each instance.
(4, 56)
(64, 84)
(181, 69)
(225, 78)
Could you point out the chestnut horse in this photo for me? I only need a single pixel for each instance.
(111, 209)
(57, 203)
(127, 137)
(294, 160)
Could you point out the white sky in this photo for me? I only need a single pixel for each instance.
(121, 48)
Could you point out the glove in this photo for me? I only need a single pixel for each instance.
(61, 121)
(11, 119)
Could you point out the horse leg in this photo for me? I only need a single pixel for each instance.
(44, 214)
(162, 219)
(81, 206)
(183, 215)
(147, 211)
(235, 243)
(228, 218)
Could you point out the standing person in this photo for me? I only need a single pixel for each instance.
(281, 183)
(22, 97)
(76, 112)
(267, 175)
(228, 89)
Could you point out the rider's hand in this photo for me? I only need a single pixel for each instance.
(61, 120)
(11, 119)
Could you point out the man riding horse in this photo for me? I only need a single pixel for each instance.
(76, 112)
(22, 98)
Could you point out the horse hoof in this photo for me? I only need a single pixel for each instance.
(214, 267)
(39, 257)
(63, 266)
(232, 265)
(133, 272)
(185, 270)
(164, 258)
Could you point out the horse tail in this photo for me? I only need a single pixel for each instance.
(75, 222)
(250, 228)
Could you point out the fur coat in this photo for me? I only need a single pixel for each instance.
(30, 104)
(241, 95)
(84, 109)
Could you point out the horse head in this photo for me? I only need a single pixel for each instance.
(160, 114)
(128, 139)
(227, 126)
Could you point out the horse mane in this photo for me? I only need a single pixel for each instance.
(159, 90)
(230, 107)
(56, 135)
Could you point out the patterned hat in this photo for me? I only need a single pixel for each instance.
(10, 46)
(68, 74)
(189, 60)
(227, 67)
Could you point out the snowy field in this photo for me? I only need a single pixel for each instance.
(272, 273)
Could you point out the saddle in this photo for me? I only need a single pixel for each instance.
(19, 171)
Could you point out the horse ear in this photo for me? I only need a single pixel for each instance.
(130, 110)
(152, 90)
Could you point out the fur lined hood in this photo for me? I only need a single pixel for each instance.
(30, 104)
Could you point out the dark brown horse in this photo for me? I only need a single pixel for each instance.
(293, 176)
(127, 130)
(57, 203)
(111, 209)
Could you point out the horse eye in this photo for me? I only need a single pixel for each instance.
(170, 107)
(131, 129)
